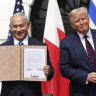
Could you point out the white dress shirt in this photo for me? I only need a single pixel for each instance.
(25, 41)
(89, 38)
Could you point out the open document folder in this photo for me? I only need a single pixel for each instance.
(22, 63)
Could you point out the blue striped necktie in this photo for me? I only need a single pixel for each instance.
(91, 53)
(21, 88)
(21, 91)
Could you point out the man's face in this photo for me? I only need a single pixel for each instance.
(19, 27)
(80, 23)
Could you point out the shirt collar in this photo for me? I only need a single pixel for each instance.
(88, 34)
(25, 41)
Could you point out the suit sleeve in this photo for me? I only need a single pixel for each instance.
(67, 68)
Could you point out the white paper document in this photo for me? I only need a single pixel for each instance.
(34, 61)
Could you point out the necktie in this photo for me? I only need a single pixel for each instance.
(90, 52)
(20, 43)
(21, 91)
(21, 88)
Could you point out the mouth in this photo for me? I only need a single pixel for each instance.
(83, 26)
(19, 33)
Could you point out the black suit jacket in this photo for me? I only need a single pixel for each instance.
(74, 65)
(30, 88)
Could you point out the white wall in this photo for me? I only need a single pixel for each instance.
(6, 10)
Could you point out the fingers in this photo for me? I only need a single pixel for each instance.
(92, 77)
(47, 70)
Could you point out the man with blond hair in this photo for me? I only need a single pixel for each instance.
(78, 55)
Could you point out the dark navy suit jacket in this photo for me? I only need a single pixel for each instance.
(31, 88)
(74, 65)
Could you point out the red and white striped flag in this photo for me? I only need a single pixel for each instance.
(54, 32)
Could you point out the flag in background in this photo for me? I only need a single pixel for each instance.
(54, 32)
(18, 8)
(92, 15)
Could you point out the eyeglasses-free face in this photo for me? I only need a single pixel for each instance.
(80, 22)
(19, 27)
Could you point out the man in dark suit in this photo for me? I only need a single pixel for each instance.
(77, 62)
(19, 25)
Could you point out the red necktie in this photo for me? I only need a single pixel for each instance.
(90, 52)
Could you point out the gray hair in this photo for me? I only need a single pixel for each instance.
(19, 14)
(77, 11)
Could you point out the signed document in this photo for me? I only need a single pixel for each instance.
(34, 61)
(23, 63)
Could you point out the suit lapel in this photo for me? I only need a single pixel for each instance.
(30, 41)
(81, 49)
(34, 42)
(94, 38)
(10, 41)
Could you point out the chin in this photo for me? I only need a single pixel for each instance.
(20, 39)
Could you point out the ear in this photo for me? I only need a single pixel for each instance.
(10, 26)
(29, 24)
(72, 25)
(89, 19)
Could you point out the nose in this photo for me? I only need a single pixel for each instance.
(18, 28)
(81, 21)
